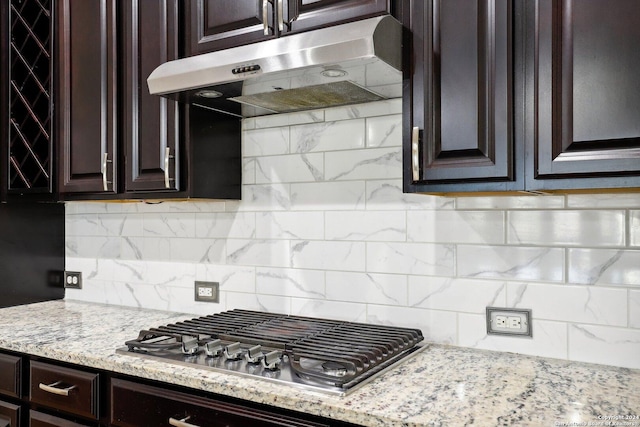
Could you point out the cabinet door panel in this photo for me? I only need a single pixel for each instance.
(82, 389)
(586, 80)
(150, 122)
(87, 96)
(9, 413)
(38, 419)
(463, 90)
(10, 372)
(307, 14)
(220, 24)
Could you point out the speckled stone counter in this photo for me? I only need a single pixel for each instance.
(442, 386)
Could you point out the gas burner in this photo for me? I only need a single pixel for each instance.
(334, 369)
(317, 354)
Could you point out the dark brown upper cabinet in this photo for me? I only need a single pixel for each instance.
(583, 82)
(26, 88)
(513, 95)
(151, 124)
(220, 24)
(86, 112)
(459, 133)
(116, 141)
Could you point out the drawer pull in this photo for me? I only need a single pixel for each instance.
(265, 16)
(167, 156)
(105, 182)
(181, 423)
(415, 154)
(51, 388)
(280, 17)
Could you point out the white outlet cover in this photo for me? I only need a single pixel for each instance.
(509, 321)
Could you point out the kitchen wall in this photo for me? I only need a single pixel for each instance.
(324, 230)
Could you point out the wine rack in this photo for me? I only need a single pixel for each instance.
(30, 91)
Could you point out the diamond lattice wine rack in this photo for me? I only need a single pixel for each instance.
(30, 122)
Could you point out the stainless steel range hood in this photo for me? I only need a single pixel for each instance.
(340, 65)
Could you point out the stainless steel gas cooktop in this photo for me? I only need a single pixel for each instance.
(330, 356)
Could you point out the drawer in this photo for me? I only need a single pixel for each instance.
(66, 389)
(10, 372)
(38, 419)
(134, 405)
(9, 413)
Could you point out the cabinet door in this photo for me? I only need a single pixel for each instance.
(220, 24)
(459, 135)
(301, 15)
(150, 123)
(86, 107)
(583, 85)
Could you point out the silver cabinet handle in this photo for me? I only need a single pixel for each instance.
(181, 423)
(265, 16)
(167, 156)
(105, 161)
(51, 388)
(415, 154)
(280, 15)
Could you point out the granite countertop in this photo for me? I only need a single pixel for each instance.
(441, 386)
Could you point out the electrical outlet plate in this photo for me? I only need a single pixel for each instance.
(207, 291)
(72, 279)
(509, 321)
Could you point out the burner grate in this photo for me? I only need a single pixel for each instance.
(330, 352)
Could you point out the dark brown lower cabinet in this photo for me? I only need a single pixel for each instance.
(41, 393)
(9, 414)
(70, 390)
(136, 405)
(38, 419)
(10, 372)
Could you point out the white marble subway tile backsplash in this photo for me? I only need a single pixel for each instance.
(324, 229)
(381, 226)
(634, 229)
(634, 309)
(510, 262)
(604, 266)
(442, 226)
(590, 304)
(567, 228)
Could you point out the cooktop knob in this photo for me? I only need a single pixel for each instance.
(272, 360)
(189, 344)
(213, 348)
(254, 355)
(233, 351)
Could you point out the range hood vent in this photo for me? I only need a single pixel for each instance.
(340, 65)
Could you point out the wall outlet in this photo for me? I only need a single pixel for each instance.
(72, 279)
(509, 321)
(207, 291)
